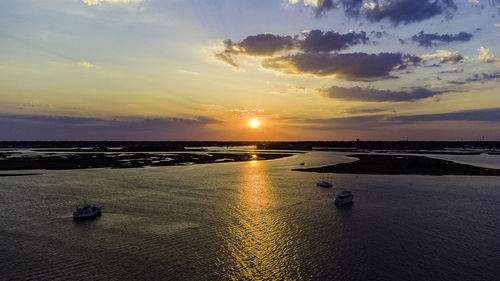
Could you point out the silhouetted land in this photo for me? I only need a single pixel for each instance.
(17, 175)
(435, 147)
(61, 161)
(113, 154)
(402, 165)
(446, 147)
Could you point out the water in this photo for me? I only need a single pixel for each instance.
(249, 220)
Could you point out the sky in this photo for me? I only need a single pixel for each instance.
(202, 69)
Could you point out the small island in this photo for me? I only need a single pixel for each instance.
(402, 165)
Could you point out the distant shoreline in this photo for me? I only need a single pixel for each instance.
(447, 147)
(18, 175)
(403, 165)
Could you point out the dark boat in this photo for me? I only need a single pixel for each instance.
(88, 211)
(344, 198)
(324, 184)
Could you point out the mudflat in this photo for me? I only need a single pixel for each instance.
(402, 165)
(63, 161)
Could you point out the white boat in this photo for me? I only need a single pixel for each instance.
(88, 211)
(324, 184)
(344, 198)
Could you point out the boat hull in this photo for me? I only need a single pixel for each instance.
(85, 216)
(79, 218)
(342, 202)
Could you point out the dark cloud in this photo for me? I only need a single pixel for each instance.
(350, 122)
(365, 110)
(33, 127)
(229, 54)
(412, 59)
(316, 41)
(451, 71)
(256, 45)
(483, 77)
(395, 11)
(267, 44)
(323, 6)
(408, 11)
(368, 122)
(352, 66)
(492, 115)
(351, 7)
(378, 34)
(453, 58)
(444, 56)
(375, 95)
(429, 40)
(477, 77)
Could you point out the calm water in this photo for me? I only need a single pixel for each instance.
(251, 220)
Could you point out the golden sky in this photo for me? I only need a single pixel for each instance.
(201, 70)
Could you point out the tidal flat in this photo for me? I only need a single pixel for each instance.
(83, 160)
(402, 165)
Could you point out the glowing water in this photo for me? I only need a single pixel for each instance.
(249, 220)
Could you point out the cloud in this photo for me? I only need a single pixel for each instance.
(244, 110)
(388, 121)
(229, 54)
(429, 40)
(268, 45)
(41, 127)
(452, 58)
(432, 65)
(407, 11)
(483, 77)
(349, 122)
(101, 2)
(375, 95)
(365, 110)
(447, 57)
(351, 66)
(320, 6)
(316, 41)
(395, 11)
(451, 70)
(85, 64)
(189, 72)
(241, 113)
(477, 77)
(488, 115)
(486, 57)
(264, 44)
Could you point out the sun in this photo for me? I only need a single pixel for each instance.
(254, 123)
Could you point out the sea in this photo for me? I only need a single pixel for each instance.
(256, 220)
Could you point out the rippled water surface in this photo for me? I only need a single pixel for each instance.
(250, 220)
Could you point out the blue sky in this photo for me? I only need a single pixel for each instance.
(197, 70)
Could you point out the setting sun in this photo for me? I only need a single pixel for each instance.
(254, 123)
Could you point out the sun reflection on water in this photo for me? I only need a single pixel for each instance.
(254, 241)
(254, 193)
